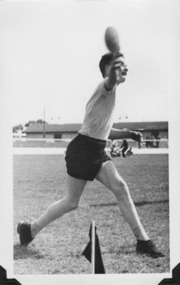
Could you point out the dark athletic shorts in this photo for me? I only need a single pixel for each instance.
(84, 157)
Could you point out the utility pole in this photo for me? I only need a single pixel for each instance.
(44, 127)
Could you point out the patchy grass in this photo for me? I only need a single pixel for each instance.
(41, 179)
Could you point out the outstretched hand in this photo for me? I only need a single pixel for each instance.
(120, 67)
(137, 136)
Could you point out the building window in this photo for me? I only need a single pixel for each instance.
(58, 136)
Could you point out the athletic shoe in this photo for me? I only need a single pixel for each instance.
(148, 247)
(24, 231)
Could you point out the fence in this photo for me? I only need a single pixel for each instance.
(62, 143)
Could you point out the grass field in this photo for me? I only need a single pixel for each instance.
(40, 180)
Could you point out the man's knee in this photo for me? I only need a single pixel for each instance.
(73, 204)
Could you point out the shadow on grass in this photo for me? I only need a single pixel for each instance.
(23, 252)
(124, 249)
(137, 204)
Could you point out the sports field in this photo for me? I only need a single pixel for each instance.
(40, 180)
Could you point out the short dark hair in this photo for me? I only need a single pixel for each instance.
(105, 60)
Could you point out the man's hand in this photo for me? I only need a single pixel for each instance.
(119, 67)
(137, 136)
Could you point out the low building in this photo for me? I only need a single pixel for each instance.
(52, 131)
(148, 129)
(155, 134)
(69, 131)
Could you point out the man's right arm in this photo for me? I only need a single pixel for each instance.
(117, 73)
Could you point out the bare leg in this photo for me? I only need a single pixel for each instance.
(109, 176)
(70, 202)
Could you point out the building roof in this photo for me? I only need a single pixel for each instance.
(71, 128)
(52, 128)
(143, 126)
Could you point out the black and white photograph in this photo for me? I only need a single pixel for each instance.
(89, 150)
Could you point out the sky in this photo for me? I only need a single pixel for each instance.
(50, 51)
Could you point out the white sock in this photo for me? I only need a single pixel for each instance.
(130, 214)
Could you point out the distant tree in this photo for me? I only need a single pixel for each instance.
(29, 123)
(17, 128)
(40, 121)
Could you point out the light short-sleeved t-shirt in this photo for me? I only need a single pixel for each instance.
(98, 119)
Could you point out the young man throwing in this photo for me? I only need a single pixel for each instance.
(87, 160)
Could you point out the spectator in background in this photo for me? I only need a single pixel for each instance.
(153, 141)
(129, 152)
(124, 147)
(158, 141)
(147, 141)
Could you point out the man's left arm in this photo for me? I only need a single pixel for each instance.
(117, 134)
